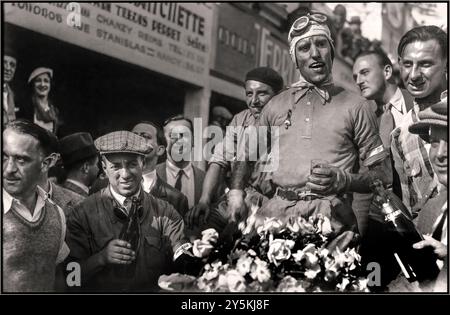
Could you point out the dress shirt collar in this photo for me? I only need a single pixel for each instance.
(8, 201)
(121, 199)
(398, 102)
(173, 169)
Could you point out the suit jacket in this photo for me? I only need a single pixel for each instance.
(166, 192)
(65, 198)
(199, 176)
(75, 188)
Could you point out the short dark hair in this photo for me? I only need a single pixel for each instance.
(47, 140)
(423, 34)
(383, 59)
(177, 118)
(160, 139)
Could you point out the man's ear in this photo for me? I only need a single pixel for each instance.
(85, 167)
(388, 71)
(103, 164)
(49, 161)
(160, 150)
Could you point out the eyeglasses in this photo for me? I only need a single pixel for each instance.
(302, 22)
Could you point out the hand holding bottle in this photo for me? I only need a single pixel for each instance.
(439, 248)
(118, 252)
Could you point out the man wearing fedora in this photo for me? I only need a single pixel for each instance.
(80, 160)
(95, 225)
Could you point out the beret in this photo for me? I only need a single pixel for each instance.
(266, 75)
(123, 142)
(220, 111)
(76, 147)
(38, 71)
(430, 117)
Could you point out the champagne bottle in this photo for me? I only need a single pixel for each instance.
(130, 233)
(416, 264)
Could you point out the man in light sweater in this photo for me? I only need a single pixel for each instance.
(34, 226)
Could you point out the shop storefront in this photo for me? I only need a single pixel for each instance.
(115, 63)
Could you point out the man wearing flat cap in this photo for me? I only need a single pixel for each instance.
(80, 160)
(261, 84)
(432, 127)
(315, 120)
(95, 225)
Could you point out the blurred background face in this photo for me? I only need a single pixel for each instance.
(423, 69)
(148, 132)
(438, 153)
(41, 85)
(314, 58)
(179, 140)
(9, 68)
(22, 163)
(369, 76)
(124, 172)
(257, 95)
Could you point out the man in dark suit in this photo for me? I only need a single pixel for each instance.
(152, 183)
(374, 74)
(80, 159)
(178, 171)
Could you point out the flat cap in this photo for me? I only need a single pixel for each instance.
(123, 142)
(76, 147)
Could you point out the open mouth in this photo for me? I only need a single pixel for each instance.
(317, 66)
(417, 86)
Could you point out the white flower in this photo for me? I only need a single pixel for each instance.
(343, 285)
(271, 225)
(235, 281)
(289, 284)
(201, 248)
(243, 264)
(260, 271)
(312, 272)
(210, 235)
(279, 250)
(324, 225)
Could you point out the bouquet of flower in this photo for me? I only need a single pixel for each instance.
(273, 256)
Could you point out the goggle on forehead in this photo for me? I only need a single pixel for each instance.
(302, 22)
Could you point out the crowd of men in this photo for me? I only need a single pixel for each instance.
(48, 224)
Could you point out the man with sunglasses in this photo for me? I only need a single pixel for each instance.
(315, 120)
(95, 225)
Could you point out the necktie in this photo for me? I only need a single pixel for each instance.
(178, 182)
(387, 124)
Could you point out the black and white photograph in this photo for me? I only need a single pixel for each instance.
(225, 149)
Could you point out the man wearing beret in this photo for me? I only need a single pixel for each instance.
(315, 120)
(80, 159)
(95, 225)
(432, 127)
(261, 84)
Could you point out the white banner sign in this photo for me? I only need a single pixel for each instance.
(170, 38)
